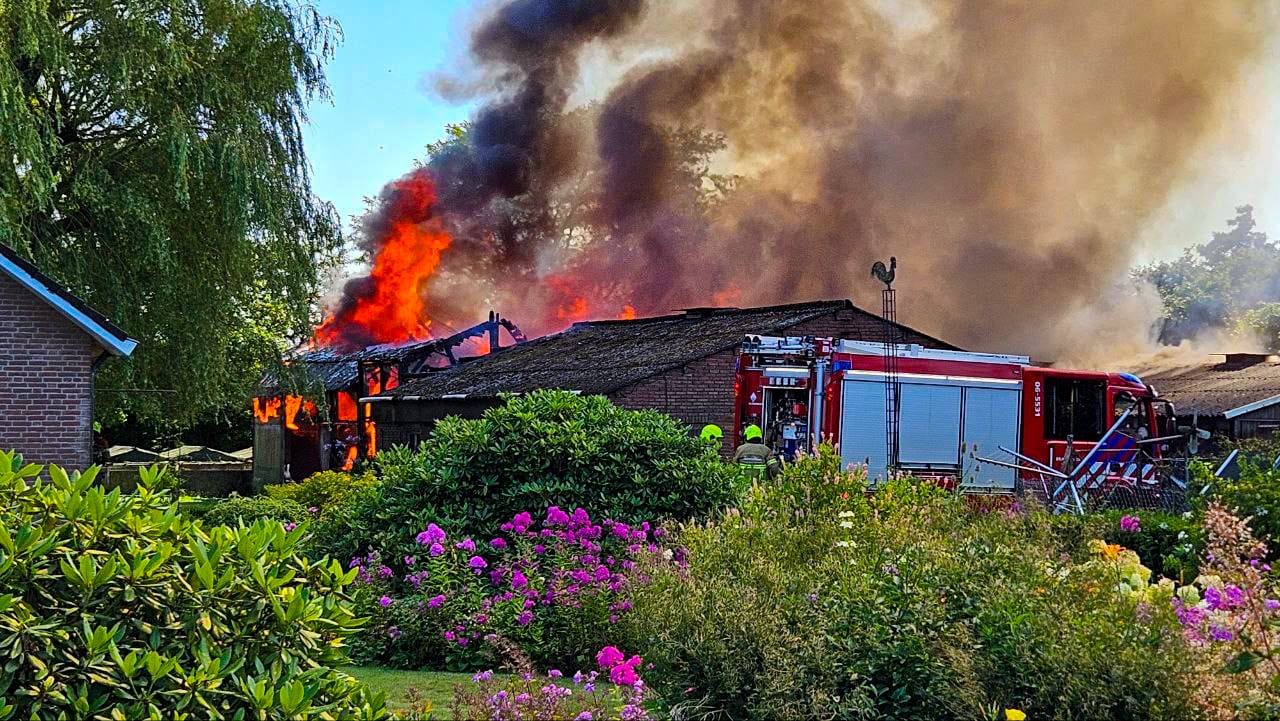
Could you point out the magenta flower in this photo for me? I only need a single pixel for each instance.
(313, 510)
(624, 674)
(584, 716)
(1271, 604)
(519, 580)
(477, 563)
(1218, 633)
(436, 601)
(410, 560)
(290, 526)
(609, 656)
(436, 549)
(556, 517)
(384, 601)
(498, 543)
(1130, 524)
(525, 618)
(467, 545)
(539, 549)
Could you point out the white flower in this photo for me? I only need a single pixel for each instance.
(846, 524)
(666, 555)
(844, 544)
(845, 514)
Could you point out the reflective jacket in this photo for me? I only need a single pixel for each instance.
(757, 459)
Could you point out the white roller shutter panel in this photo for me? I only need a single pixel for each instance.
(862, 425)
(929, 424)
(990, 421)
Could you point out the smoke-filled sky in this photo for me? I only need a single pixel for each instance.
(1010, 154)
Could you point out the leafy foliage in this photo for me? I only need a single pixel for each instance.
(116, 606)
(1255, 495)
(246, 510)
(158, 171)
(548, 448)
(322, 490)
(1169, 544)
(907, 604)
(1229, 283)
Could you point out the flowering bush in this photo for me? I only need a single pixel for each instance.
(905, 604)
(1231, 616)
(553, 587)
(539, 449)
(615, 691)
(1169, 544)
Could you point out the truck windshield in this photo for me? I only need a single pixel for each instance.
(1076, 408)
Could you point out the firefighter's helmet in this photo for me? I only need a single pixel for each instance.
(711, 432)
(752, 433)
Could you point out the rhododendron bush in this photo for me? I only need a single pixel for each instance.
(554, 586)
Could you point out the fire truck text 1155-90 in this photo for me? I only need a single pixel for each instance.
(979, 420)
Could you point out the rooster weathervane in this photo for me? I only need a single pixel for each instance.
(885, 275)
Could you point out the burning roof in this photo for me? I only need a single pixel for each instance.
(604, 356)
(1240, 383)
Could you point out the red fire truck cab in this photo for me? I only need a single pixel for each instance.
(953, 409)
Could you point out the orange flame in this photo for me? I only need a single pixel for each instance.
(350, 462)
(728, 296)
(370, 432)
(346, 406)
(264, 409)
(628, 313)
(392, 309)
(292, 404)
(573, 311)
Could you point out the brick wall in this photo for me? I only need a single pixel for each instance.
(702, 392)
(45, 380)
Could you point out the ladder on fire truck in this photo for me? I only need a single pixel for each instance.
(892, 388)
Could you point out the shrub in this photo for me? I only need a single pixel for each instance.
(552, 590)
(322, 490)
(1169, 544)
(538, 450)
(248, 509)
(905, 605)
(1255, 495)
(117, 606)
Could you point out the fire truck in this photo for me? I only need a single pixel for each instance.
(984, 422)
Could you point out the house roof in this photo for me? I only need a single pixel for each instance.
(604, 356)
(1240, 384)
(110, 337)
(196, 453)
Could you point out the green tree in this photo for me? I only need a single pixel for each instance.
(1230, 283)
(158, 171)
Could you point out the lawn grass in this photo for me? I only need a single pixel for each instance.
(434, 685)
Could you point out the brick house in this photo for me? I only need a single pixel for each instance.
(51, 344)
(682, 364)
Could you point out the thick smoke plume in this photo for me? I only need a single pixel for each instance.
(1007, 153)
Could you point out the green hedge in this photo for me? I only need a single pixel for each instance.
(248, 509)
(118, 606)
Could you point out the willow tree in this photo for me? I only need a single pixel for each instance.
(158, 171)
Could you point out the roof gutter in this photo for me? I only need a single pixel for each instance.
(1251, 407)
(122, 347)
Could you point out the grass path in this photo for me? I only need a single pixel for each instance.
(437, 686)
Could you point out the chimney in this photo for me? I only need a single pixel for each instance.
(1237, 361)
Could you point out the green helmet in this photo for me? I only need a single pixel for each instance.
(711, 432)
(752, 433)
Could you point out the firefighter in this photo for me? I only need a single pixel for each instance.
(755, 457)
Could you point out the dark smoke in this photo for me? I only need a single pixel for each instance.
(1007, 153)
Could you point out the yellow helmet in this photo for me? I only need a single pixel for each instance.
(752, 433)
(711, 432)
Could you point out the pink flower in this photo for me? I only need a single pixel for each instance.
(556, 517)
(290, 526)
(313, 510)
(436, 601)
(525, 618)
(477, 563)
(609, 656)
(624, 674)
(467, 545)
(436, 549)
(384, 601)
(1130, 524)
(519, 580)
(498, 543)
(410, 560)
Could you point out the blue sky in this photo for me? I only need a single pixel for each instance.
(381, 116)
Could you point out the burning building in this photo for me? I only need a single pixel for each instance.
(1233, 395)
(681, 364)
(310, 418)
